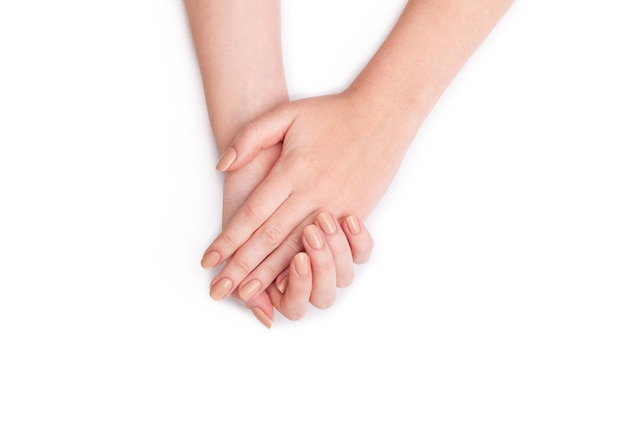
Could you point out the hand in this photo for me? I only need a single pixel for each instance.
(327, 268)
(339, 154)
(310, 275)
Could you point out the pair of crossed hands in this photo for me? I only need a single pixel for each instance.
(325, 162)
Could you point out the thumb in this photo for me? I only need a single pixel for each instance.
(263, 132)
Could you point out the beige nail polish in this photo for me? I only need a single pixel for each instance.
(313, 236)
(302, 264)
(282, 285)
(327, 223)
(227, 159)
(210, 259)
(250, 289)
(260, 315)
(353, 224)
(221, 289)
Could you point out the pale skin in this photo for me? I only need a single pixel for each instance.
(239, 54)
(340, 152)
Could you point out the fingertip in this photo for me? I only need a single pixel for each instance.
(353, 224)
(220, 289)
(327, 222)
(262, 317)
(281, 284)
(210, 259)
(361, 242)
(262, 308)
(250, 290)
(313, 237)
(228, 157)
(302, 264)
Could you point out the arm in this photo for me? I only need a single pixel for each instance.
(355, 139)
(430, 43)
(239, 53)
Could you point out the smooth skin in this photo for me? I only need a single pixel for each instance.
(340, 152)
(310, 278)
(239, 53)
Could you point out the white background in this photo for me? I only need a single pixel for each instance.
(496, 292)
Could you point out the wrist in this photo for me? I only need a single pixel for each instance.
(384, 104)
(228, 116)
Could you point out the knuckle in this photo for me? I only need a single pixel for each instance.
(249, 132)
(230, 241)
(241, 265)
(253, 212)
(268, 270)
(271, 235)
(294, 243)
(326, 263)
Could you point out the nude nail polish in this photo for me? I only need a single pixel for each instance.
(260, 315)
(210, 259)
(327, 223)
(282, 285)
(250, 289)
(227, 159)
(353, 224)
(221, 289)
(302, 264)
(313, 237)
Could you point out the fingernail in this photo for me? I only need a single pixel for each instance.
(250, 289)
(302, 264)
(227, 159)
(353, 224)
(221, 289)
(282, 285)
(260, 315)
(210, 259)
(313, 236)
(327, 223)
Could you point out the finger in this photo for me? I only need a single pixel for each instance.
(260, 205)
(323, 268)
(262, 308)
(294, 302)
(361, 242)
(282, 280)
(278, 261)
(267, 238)
(339, 247)
(263, 132)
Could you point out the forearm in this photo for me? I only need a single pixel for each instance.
(428, 46)
(239, 53)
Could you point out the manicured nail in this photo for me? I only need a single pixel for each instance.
(250, 289)
(210, 259)
(302, 264)
(313, 236)
(353, 224)
(221, 289)
(227, 159)
(327, 223)
(260, 315)
(282, 285)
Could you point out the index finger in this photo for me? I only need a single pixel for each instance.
(260, 205)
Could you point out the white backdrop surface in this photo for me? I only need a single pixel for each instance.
(496, 292)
